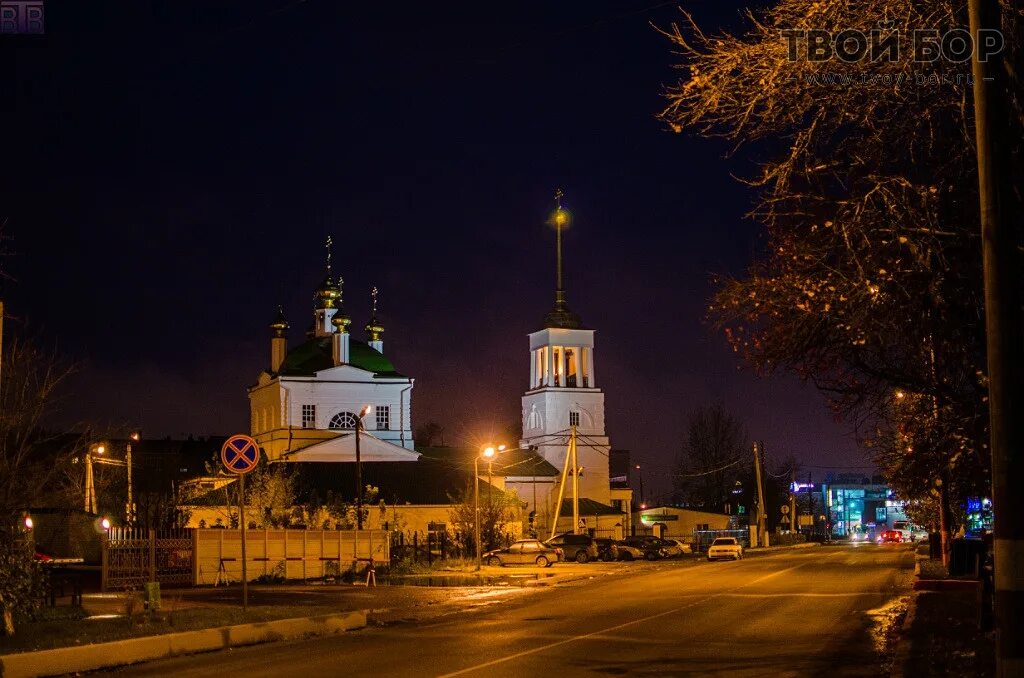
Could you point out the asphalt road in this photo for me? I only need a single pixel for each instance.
(809, 612)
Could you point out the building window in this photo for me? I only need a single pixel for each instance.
(570, 368)
(574, 418)
(343, 421)
(309, 416)
(383, 417)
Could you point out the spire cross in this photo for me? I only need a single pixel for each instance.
(373, 295)
(559, 220)
(329, 245)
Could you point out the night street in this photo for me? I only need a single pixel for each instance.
(799, 612)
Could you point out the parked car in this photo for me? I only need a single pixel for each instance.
(890, 537)
(725, 547)
(635, 548)
(606, 549)
(669, 547)
(681, 546)
(524, 552)
(578, 547)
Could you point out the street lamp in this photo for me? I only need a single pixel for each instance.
(359, 469)
(95, 455)
(640, 475)
(488, 454)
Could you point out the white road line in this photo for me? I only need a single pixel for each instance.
(566, 641)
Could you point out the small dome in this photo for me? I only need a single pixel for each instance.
(280, 325)
(328, 293)
(375, 330)
(341, 321)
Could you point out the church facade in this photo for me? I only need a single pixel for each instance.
(307, 403)
(306, 406)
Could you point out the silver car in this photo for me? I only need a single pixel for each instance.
(524, 552)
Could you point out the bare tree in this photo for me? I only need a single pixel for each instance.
(29, 460)
(713, 455)
(870, 286)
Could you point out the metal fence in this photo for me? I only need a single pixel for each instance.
(284, 554)
(132, 557)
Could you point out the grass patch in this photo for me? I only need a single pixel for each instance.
(67, 626)
(406, 567)
(933, 569)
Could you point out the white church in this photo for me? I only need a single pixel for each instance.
(306, 405)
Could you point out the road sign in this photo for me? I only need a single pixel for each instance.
(785, 510)
(785, 520)
(240, 454)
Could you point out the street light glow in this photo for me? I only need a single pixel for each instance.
(29, 523)
(105, 523)
(100, 449)
(488, 452)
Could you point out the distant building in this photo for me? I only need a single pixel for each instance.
(857, 504)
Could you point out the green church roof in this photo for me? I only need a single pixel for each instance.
(316, 354)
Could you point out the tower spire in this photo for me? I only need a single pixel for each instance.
(374, 328)
(329, 245)
(560, 219)
(560, 316)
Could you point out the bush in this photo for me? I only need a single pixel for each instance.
(22, 582)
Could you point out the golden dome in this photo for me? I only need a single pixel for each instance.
(341, 321)
(328, 293)
(280, 325)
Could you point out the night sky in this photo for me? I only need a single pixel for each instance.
(171, 170)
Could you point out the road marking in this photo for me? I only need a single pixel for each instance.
(585, 636)
(800, 595)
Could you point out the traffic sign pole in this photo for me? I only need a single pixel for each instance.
(241, 522)
(240, 455)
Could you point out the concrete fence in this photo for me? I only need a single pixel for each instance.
(291, 554)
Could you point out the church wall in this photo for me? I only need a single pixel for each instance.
(281, 402)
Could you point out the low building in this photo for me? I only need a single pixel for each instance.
(671, 522)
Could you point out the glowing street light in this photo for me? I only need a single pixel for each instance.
(487, 453)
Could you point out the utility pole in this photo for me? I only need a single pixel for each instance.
(575, 482)
(810, 502)
(761, 514)
(792, 500)
(1004, 337)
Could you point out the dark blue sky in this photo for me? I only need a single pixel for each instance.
(170, 172)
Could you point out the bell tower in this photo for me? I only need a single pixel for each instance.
(562, 390)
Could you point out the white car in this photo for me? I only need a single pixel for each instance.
(678, 547)
(725, 547)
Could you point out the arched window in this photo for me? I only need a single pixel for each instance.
(343, 421)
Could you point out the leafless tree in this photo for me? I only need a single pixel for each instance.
(870, 286)
(714, 454)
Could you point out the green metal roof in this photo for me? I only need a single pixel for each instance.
(316, 354)
(589, 507)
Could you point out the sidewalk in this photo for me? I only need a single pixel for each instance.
(941, 636)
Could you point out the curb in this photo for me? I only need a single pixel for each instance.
(133, 650)
(902, 654)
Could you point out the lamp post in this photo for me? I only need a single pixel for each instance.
(359, 470)
(488, 453)
(640, 475)
(95, 455)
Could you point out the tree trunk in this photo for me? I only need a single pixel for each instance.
(8, 618)
(945, 519)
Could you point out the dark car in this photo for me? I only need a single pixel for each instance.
(633, 548)
(606, 549)
(578, 547)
